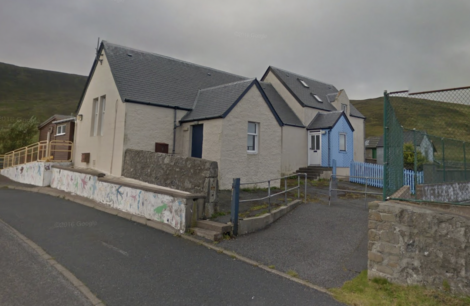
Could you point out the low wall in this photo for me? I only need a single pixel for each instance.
(34, 173)
(446, 192)
(172, 208)
(189, 174)
(415, 245)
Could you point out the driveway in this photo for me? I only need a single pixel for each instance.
(326, 245)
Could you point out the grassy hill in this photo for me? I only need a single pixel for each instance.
(436, 118)
(25, 92)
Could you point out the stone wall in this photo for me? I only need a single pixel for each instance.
(414, 245)
(189, 174)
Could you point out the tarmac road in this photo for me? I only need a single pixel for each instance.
(126, 263)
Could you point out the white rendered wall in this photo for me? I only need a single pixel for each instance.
(106, 151)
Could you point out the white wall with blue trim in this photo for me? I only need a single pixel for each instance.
(330, 145)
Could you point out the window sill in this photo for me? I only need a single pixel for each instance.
(252, 152)
(59, 134)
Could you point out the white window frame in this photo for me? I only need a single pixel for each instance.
(256, 134)
(97, 117)
(345, 142)
(344, 108)
(60, 130)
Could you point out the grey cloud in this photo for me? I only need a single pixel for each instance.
(362, 46)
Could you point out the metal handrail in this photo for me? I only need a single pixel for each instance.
(39, 151)
(365, 192)
(269, 196)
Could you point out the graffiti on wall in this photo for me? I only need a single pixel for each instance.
(35, 173)
(158, 207)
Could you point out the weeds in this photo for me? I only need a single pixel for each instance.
(292, 273)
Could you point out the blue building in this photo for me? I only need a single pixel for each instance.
(330, 137)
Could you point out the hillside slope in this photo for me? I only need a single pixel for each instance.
(436, 118)
(25, 92)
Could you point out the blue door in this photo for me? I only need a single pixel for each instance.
(196, 142)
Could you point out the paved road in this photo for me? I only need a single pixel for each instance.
(326, 245)
(126, 263)
(28, 279)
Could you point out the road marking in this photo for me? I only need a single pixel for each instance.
(115, 249)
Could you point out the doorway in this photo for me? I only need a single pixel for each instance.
(197, 132)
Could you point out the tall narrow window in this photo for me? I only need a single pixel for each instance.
(252, 141)
(342, 141)
(94, 117)
(101, 119)
(344, 108)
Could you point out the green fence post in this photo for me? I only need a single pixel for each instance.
(443, 161)
(464, 162)
(415, 162)
(385, 157)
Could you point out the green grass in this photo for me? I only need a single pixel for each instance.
(379, 292)
(436, 118)
(25, 92)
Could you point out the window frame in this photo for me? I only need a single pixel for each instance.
(345, 142)
(344, 107)
(256, 136)
(62, 128)
(94, 117)
(102, 110)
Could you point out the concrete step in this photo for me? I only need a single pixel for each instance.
(214, 226)
(208, 234)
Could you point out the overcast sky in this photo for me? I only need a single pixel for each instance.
(363, 47)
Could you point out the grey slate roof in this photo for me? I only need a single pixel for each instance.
(216, 101)
(291, 80)
(326, 120)
(355, 112)
(372, 141)
(380, 144)
(156, 79)
(285, 113)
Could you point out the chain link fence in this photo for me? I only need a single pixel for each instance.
(427, 133)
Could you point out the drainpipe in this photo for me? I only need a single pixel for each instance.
(329, 151)
(174, 131)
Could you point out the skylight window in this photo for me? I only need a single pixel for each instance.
(303, 83)
(316, 97)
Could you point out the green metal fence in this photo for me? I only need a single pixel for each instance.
(428, 132)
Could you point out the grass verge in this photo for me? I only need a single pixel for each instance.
(380, 292)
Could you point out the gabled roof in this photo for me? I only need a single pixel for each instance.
(214, 102)
(372, 141)
(355, 112)
(54, 118)
(218, 101)
(327, 120)
(286, 114)
(305, 96)
(380, 144)
(149, 78)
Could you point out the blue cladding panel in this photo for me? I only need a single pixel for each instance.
(343, 159)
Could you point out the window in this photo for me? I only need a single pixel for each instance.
(342, 141)
(316, 97)
(101, 119)
(61, 129)
(303, 83)
(344, 108)
(99, 107)
(252, 141)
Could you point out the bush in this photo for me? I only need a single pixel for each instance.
(18, 134)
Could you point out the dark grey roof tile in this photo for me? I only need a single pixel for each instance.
(285, 113)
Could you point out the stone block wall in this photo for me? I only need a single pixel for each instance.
(189, 174)
(414, 245)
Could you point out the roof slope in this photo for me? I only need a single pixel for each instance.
(372, 141)
(215, 102)
(355, 112)
(327, 120)
(326, 92)
(156, 79)
(56, 117)
(285, 113)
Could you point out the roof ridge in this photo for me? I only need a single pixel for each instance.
(170, 58)
(303, 76)
(228, 84)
